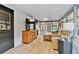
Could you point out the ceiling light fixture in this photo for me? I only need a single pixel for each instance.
(45, 18)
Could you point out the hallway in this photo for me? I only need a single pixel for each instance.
(38, 46)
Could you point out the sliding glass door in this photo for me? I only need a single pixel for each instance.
(43, 27)
(48, 26)
(6, 29)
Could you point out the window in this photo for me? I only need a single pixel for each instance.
(4, 20)
(43, 26)
(49, 26)
(70, 16)
(55, 26)
(64, 20)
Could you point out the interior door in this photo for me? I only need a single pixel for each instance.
(6, 29)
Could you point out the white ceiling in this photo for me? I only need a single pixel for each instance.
(39, 11)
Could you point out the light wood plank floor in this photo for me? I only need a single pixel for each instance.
(38, 46)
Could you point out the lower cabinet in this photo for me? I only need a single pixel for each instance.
(29, 36)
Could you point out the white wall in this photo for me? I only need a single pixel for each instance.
(19, 25)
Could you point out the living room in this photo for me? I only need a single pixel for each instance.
(41, 28)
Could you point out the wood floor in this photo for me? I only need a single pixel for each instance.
(38, 46)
